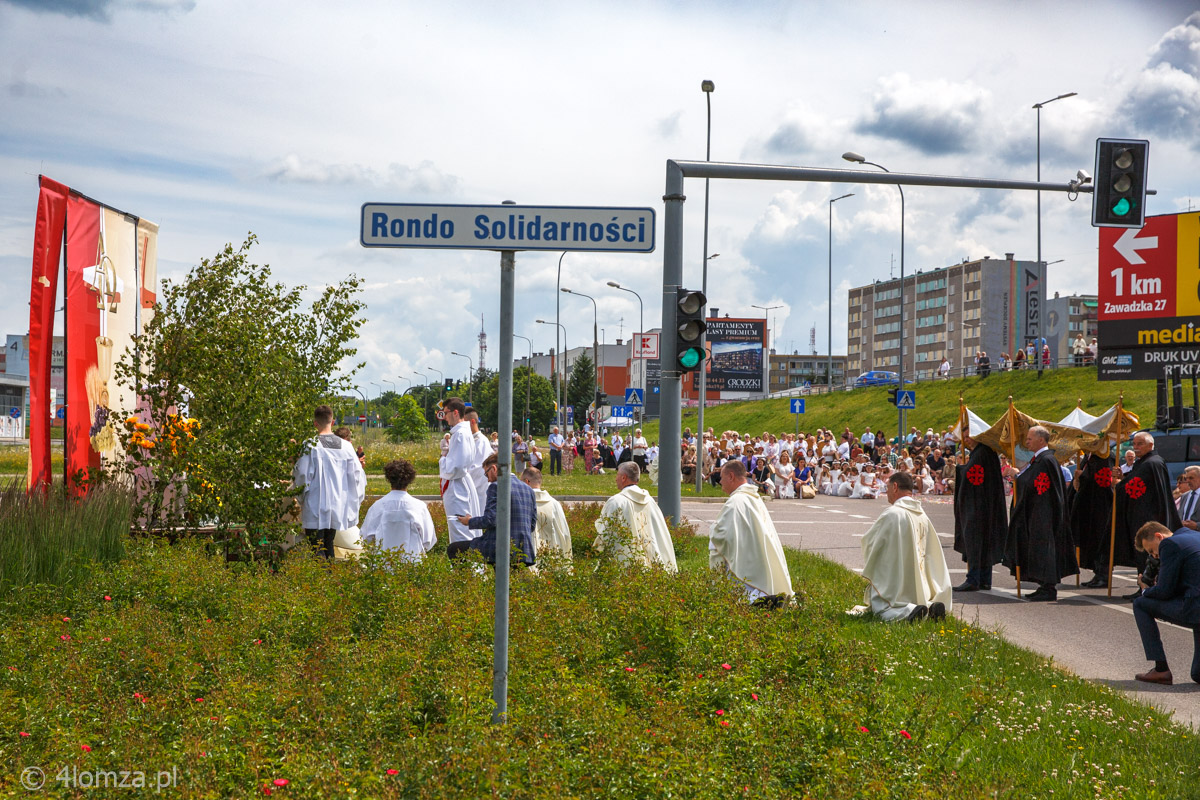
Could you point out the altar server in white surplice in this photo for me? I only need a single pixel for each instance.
(552, 532)
(483, 449)
(334, 483)
(903, 561)
(399, 521)
(645, 538)
(459, 496)
(743, 540)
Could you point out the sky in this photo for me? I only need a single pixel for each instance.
(215, 118)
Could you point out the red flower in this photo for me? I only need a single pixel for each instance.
(1135, 488)
(106, 639)
(86, 749)
(753, 695)
(1042, 483)
(720, 712)
(199, 699)
(725, 722)
(65, 638)
(726, 666)
(1103, 478)
(629, 669)
(906, 734)
(66, 619)
(106, 597)
(23, 733)
(280, 781)
(862, 729)
(266, 789)
(975, 475)
(393, 772)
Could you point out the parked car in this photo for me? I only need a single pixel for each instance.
(878, 377)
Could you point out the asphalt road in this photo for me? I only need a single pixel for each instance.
(1084, 631)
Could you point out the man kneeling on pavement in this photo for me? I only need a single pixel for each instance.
(1174, 597)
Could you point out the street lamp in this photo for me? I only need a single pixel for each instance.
(707, 87)
(470, 376)
(855, 157)
(365, 410)
(373, 383)
(595, 343)
(562, 363)
(829, 366)
(528, 370)
(641, 329)
(1038, 108)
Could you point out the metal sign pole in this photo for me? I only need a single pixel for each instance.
(503, 490)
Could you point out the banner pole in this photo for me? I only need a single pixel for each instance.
(1012, 458)
(1112, 533)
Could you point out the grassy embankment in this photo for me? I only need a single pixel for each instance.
(376, 682)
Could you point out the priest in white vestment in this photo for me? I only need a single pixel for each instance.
(903, 560)
(743, 540)
(483, 449)
(552, 533)
(334, 483)
(645, 539)
(399, 521)
(459, 496)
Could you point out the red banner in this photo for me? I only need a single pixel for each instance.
(47, 252)
(83, 338)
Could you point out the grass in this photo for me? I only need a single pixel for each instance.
(1050, 398)
(54, 539)
(374, 680)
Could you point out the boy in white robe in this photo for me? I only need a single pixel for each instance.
(903, 561)
(399, 521)
(552, 532)
(483, 449)
(334, 483)
(459, 496)
(633, 509)
(743, 540)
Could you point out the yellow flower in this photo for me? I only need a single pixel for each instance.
(141, 426)
(131, 421)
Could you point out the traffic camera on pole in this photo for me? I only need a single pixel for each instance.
(1119, 200)
(689, 331)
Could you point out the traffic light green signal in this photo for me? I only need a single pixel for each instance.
(1120, 183)
(689, 329)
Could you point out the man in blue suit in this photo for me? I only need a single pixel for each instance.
(522, 516)
(1175, 597)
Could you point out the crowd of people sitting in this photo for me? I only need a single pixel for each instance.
(804, 465)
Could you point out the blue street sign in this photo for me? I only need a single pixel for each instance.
(14, 412)
(655, 390)
(634, 397)
(61, 413)
(906, 399)
(797, 405)
(622, 411)
(570, 415)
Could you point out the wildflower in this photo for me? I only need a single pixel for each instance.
(131, 421)
(863, 729)
(725, 722)
(212, 719)
(726, 667)
(66, 619)
(106, 597)
(86, 749)
(65, 638)
(753, 696)
(23, 733)
(199, 699)
(720, 712)
(629, 669)
(106, 639)
(266, 789)
(280, 781)
(393, 772)
(905, 734)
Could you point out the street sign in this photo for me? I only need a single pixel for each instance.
(508, 227)
(361, 419)
(645, 345)
(634, 397)
(14, 412)
(570, 415)
(1149, 298)
(797, 405)
(622, 411)
(654, 390)
(61, 413)
(906, 399)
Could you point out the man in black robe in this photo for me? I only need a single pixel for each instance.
(1144, 494)
(1039, 541)
(980, 515)
(1091, 516)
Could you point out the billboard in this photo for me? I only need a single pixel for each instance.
(737, 355)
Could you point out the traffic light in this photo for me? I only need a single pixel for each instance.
(599, 397)
(689, 330)
(1119, 198)
(892, 396)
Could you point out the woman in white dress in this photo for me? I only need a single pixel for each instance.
(846, 489)
(785, 477)
(825, 484)
(865, 488)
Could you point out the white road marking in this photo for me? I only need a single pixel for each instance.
(859, 516)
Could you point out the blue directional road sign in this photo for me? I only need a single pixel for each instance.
(906, 399)
(570, 415)
(634, 397)
(61, 413)
(622, 411)
(797, 405)
(14, 412)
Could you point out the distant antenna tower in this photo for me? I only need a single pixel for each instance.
(812, 339)
(482, 344)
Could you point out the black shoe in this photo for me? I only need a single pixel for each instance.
(985, 587)
(937, 611)
(919, 613)
(1133, 596)
(1098, 581)
(1043, 595)
(967, 586)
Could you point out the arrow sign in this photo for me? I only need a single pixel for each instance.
(1128, 245)
(797, 405)
(906, 399)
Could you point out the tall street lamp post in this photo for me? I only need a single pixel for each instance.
(528, 370)
(595, 346)
(855, 157)
(702, 382)
(470, 376)
(365, 410)
(1038, 108)
(641, 329)
(379, 401)
(829, 339)
(562, 362)
(424, 397)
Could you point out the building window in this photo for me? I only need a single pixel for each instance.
(932, 319)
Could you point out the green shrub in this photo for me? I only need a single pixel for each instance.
(53, 538)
